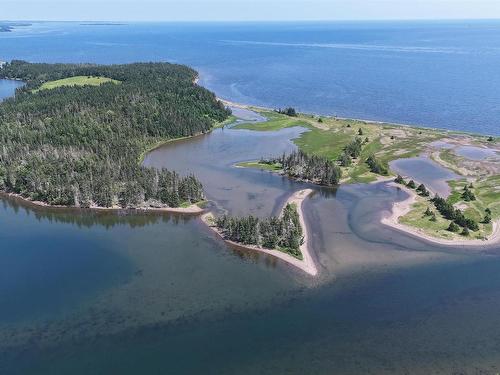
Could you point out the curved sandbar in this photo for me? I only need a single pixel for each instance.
(400, 209)
(307, 264)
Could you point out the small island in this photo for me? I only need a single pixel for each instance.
(301, 166)
(284, 237)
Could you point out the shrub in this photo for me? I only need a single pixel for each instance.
(468, 195)
(345, 160)
(376, 166)
(423, 190)
(400, 180)
(290, 111)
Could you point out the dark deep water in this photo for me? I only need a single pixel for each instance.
(126, 293)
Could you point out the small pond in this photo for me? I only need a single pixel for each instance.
(427, 172)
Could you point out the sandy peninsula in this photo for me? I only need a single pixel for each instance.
(307, 264)
(400, 209)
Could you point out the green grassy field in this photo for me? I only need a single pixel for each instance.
(416, 218)
(229, 120)
(76, 81)
(275, 121)
(258, 165)
(329, 137)
(387, 142)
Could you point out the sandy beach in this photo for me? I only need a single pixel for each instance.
(400, 209)
(307, 264)
(190, 210)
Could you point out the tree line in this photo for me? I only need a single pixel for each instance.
(289, 111)
(309, 167)
(283, 233)
(454, 214)
(446, 209)
(80, 145)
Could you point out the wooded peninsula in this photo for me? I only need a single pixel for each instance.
(74, 134)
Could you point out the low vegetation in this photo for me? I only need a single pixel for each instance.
(350, 143)
(262, 164)
(76, 81)
(442, 218)
(364, 150)
(376, 166)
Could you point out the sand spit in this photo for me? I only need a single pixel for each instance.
(307, 264)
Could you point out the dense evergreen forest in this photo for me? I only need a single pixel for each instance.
(316, 169)
(283, 233)
(81, 145)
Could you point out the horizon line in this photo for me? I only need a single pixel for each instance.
(257, 20)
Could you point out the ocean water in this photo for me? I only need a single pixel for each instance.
(438, 74)
(125, 293)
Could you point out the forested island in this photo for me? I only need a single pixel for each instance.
(75, 134)
(284, 236)
(307, 167)
(283, 232)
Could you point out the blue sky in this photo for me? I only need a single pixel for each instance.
(213, 10)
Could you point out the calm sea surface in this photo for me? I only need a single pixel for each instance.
(439, 74)
(106, 293)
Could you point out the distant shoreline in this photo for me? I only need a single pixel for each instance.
(103, 24)
(230, 103)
